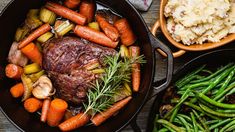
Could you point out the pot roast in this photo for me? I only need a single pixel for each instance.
(65, 59)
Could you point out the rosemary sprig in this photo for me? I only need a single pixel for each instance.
(117, 71)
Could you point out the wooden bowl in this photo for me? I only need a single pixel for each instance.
(194, 47)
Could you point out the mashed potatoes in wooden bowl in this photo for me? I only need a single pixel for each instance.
(197, 25)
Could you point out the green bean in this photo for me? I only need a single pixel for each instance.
(199, 109)
(218, 96)
(195, 128)
(196, 85)
(231, 128)
(219, 124)
(232, 91)
(199, 77)
(212, 122)
(201, 121)
(184, 123)
(216, 130)
(188, 77)
(214, 74)
(187, 125)
(207, 109)
(215, 82)
(169, 128)
(226, 82)
(215, 103)
(162, 121)
(227, 126)
(155, 124)
(207, 71)
(225, 111)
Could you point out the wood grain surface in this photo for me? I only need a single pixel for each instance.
(150, 17)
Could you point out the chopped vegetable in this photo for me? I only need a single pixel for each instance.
(98, 71)
(21, 33)
(35, 34)
(45, 37)
(87, 9)
(33, 53)
(28, 87)
(66, 13)
(94, 36)
(43, 88)
(122, 93)
(101, 117)
(56, 112)
(33, 13)
(126, 33)
(17, 90)
(134, 52)
(74, 122)
(45, 108)
(47, 16)
(33, 22)
(32, 68)
(94, 25)
(34, 77)
(64, 28)
(72, 3)
(32, 105)
(124, 51)
(108, 28)
(14, 71)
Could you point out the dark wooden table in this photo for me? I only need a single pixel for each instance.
(150, 17)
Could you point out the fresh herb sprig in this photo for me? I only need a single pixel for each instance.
(117, 71)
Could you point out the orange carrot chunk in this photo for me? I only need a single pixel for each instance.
(101, 117)
(66, 13)
(108, 28)
(94, 36)
(45, 108)
(33, 53)
(56, 112)
(74, 122)
(35, 34)
(126, 33)
(71, 3)
(87, 9)
(134, 52)
(17, 90)
(14, 71)
(32, 105)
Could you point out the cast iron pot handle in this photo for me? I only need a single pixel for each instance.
(157, 44)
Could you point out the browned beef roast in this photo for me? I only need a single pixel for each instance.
(64, 60)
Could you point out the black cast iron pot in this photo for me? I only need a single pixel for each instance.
(213, 60)
(14, 14)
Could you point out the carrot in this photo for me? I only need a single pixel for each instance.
(32, 105)
(14, 71)
(45, 108)
(66, 13)
(126, 33)
(94, 36)
(71, 3)
(87, 9)
(108, 28)
(17, 90)
(134, 52)
(56, 112)
(101, 117)
(35, 34)
(74, 122)
(33, 53)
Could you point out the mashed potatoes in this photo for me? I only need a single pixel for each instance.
(197, 21)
